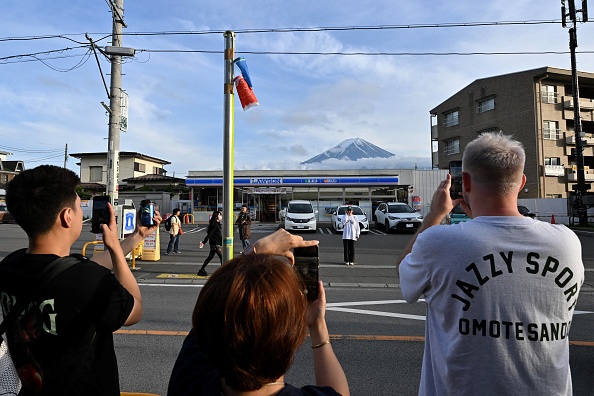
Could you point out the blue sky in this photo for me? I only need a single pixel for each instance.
(308, 103)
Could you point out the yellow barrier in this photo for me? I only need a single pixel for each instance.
(151, 247)
(84, 249)
(136, 252)
(187, 217)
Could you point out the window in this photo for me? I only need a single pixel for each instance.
(452, 146)
(451, 118)
(157, 170)
(486, 105)
(549, 94)
(138, 167)
(552, 161)
(95, 173)
(551, 130)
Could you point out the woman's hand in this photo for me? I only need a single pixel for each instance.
(280, 244)
(316, 310)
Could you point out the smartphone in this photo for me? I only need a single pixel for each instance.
(147, 212)
(307, 264)
(100, 213)
(456, 172)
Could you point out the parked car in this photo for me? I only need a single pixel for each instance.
(338, 215)
(5, 215)
(457, 215)
(397, 216)
(300, 215)
(524, 211)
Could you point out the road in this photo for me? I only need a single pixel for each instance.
(377, 336)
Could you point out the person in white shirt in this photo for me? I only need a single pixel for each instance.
(350, 233)
(500, 289)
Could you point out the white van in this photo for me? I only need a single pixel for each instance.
(300, 215)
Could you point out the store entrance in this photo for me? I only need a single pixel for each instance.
(264, 207)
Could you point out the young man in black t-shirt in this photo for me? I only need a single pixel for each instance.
(85, 304)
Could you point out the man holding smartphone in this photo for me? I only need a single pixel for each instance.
(82, 306)
(500, 290)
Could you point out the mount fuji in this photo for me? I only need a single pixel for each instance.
(351, 150)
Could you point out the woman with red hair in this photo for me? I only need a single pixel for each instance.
(250, 318)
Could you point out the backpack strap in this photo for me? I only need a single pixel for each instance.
(43, 278)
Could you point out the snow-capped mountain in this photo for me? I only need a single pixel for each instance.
(351, 150)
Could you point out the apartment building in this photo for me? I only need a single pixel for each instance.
(536, 108)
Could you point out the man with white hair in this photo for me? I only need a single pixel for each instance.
(500, 289)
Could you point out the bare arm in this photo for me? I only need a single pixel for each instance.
(441, 205)
(327, 368)
(120, 267)
(130, 241)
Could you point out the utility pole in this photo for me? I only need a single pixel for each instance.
(65, 155)
(581, 188)
(115, 91)
(228, 149)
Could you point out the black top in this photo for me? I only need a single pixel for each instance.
(81, 308)
(214, 235)
(194, 374)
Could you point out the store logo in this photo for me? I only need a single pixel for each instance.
(268, 180)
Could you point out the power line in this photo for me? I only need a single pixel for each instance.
(293, 29)
(366, 53)
(28, 151)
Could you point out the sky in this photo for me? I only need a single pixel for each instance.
(308, 102)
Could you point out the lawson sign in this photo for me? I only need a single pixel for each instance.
(296, 181)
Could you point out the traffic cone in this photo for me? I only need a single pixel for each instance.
(553, 219)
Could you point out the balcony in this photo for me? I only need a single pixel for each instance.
(554, 170)
(570, 139)
(585, 104)
(572, 176)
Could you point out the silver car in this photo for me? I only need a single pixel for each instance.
(397, 216)
(339, 213)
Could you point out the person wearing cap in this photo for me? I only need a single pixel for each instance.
(350, 233)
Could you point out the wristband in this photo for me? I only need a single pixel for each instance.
(320, 345)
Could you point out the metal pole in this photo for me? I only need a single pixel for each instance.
(579, 143)
(580, 188)
(228, 149)
(115, 116)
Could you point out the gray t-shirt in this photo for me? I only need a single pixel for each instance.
(500, 293)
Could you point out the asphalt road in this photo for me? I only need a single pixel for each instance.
(377, 337)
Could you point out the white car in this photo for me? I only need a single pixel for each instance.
(397, 216)
(339, 213)
(300, 216)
